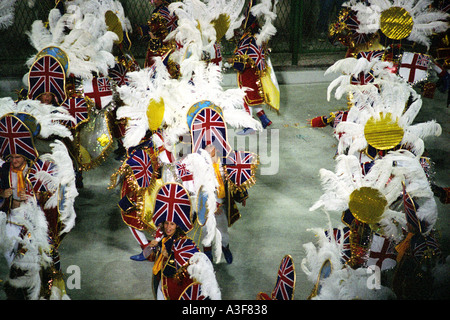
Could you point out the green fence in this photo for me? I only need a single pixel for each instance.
(296, 24)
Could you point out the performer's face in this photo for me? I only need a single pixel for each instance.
(17, 161)
(46, 98)
(169, 228)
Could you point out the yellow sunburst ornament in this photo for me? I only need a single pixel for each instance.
(383, 133)
(396, 23)
(367, 204)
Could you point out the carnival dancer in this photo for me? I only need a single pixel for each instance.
(252, 63)
(179, 263)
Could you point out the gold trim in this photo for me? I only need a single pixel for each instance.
(315, 289)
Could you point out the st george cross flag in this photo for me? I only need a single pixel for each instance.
(38, 168)
(78, 109)
(173, 204)
(414, 67)
(141, 165)
(382, 253)
(99, 91)
(208, 128)
(240, 168)
(183, 250)
(285, 285)
(15, 138)
(247, 47)
(47, 75)
(193, 292)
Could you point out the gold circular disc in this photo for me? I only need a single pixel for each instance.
(396, 23)
(383, 133)
(155, 114)
(367, 204)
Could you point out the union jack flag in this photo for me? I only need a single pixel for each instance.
(248, 47)
(239, 167)
(183, 250)
(173, 204)
(171, 19)
(193, 292)
(284, 288)
(15, 138)
(183, 173)
(78, 109)
(362, 78)
(98, 90)
(40, 166)
(141, 164)
(353, 23)
(119, 74)
(47, 75)
(425, 246)
(207, 128)
(369, 55)
(342, 238)
(411, 207)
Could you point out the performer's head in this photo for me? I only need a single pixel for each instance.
(172, 229)
(157, 3)
(17, 161)
(47, 98)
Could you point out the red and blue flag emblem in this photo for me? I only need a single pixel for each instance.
(208, 128)
(173, 204)
(183, 250)
(119, 74)
(47, 75)
(171, 19)
(78, 109)
(15, 138)
(248, 47)
(99, 91)
(141, 165)
(39, 166)
(410, 207)
(193, 292)
(284, 288)
(239, 165)
(342, 238)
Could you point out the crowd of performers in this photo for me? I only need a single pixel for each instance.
(168, 117)
(382, 186)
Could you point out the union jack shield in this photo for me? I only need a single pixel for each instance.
(208, 127)
(342, 238)
(47, 75)
(15, 138)
(414, 67)
(247, 47)
(141, 164)
(173, 204)
(183, 250)
(39, 167)
(240, 168)
(193, 292)
(77, 108)
(99, 91)
(370, 55)
(183, 173)
(119, 74)
(285, 285)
